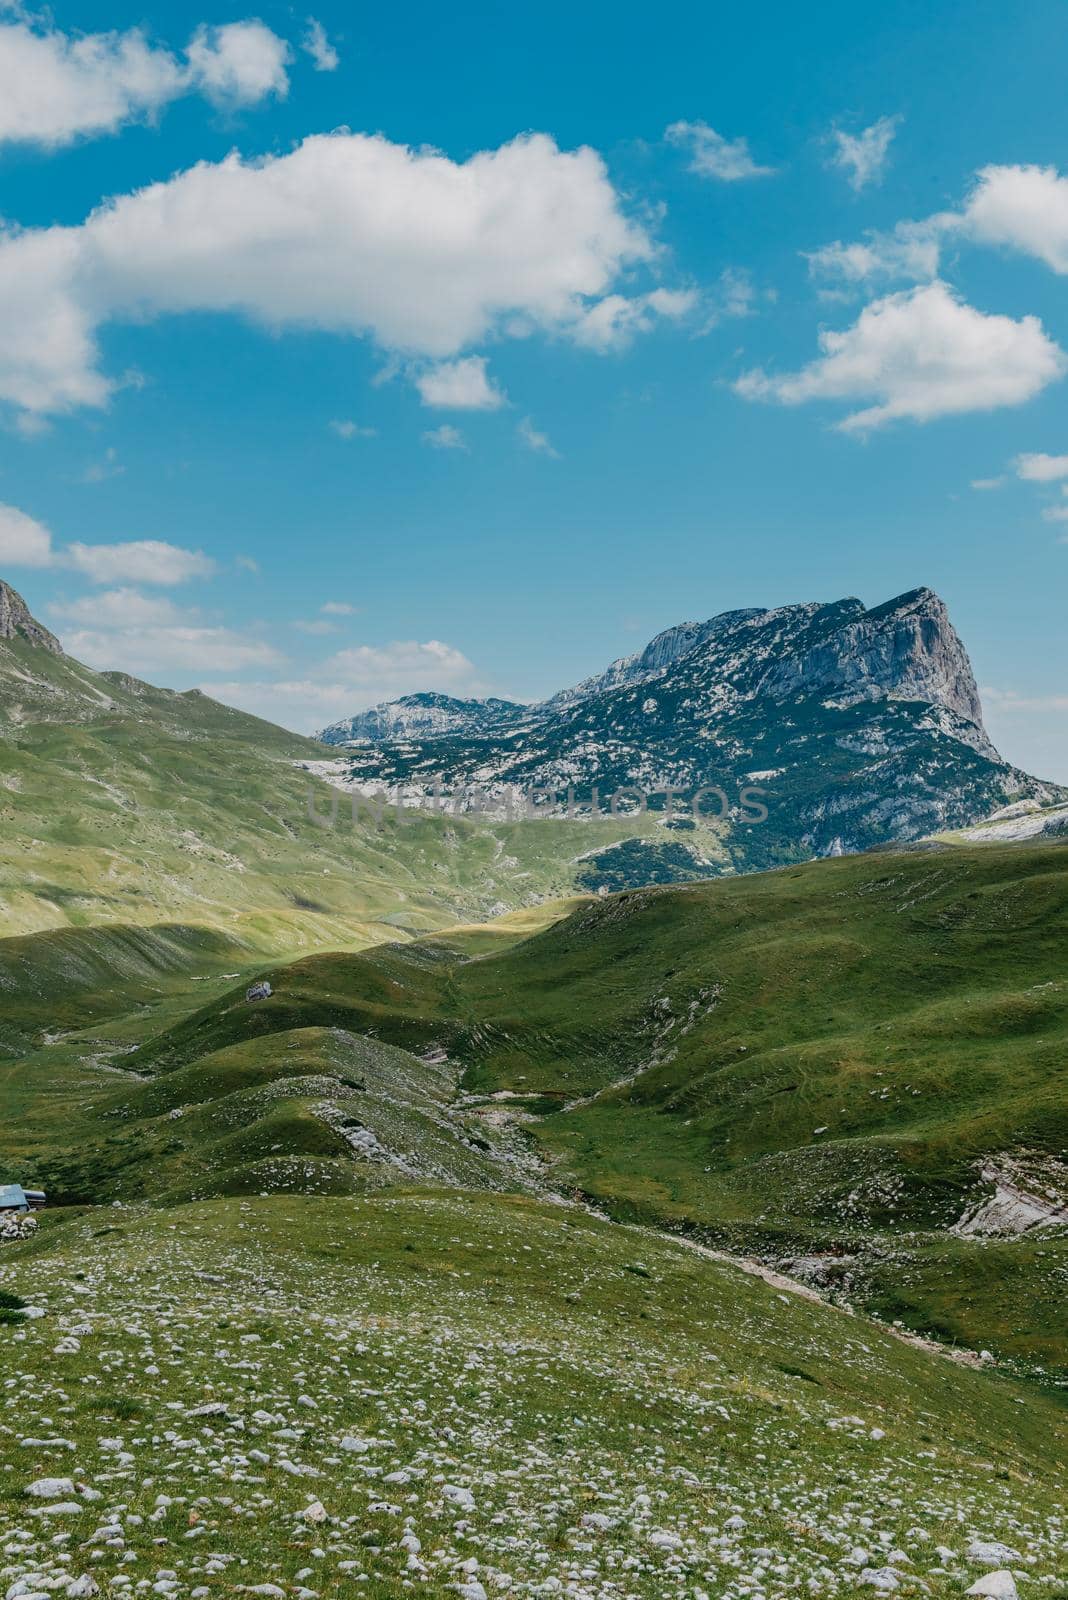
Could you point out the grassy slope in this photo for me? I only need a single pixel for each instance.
(912, 1006)
(627, 1417)
(121, 803)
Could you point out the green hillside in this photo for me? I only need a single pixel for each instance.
(814, 1066)
(123, 803)
(469, 1395)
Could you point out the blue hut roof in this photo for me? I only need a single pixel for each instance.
(13, 1197)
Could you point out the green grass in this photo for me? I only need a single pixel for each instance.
(626, 1416)
(809, 1064)
(121, 803)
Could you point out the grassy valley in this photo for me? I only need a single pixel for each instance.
(832, 1068)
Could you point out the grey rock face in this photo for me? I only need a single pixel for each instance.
(16, 622)
(907, 649)
(652, 662)
(420, 716)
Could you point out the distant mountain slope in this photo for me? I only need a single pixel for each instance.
(421, 716)
(125, 803)
(861, 727)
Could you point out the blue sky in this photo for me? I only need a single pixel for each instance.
(508, 411)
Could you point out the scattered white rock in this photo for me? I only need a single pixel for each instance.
(1000, 1585)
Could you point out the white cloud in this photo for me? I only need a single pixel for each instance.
(1039, 468)
(318, 46)
(138, 561)
(863, 156)
(149, 635)
(445, 438)
(1055, 514)
(402, 667)
(24, 542)
(239, 63)
(345, 428)
(535, 440)
(151, 651)
(713, 156)
(1023, 207)
(986, 484)
(120, 608)
(355, 678)
(911, 250)
(348, 233)
(920, 354)
(338, 608)
(613, 322)
(459, 386)
(55, 87)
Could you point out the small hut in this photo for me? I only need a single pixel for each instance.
(14, 1198)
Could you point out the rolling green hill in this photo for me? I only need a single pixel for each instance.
(123, 803)
(831, 1067)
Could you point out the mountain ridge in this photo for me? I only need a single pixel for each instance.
(923, 659)
(866, 723)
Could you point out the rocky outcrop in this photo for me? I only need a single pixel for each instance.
(16, 622)
(644, 666)
(420, 716)
(907, 649)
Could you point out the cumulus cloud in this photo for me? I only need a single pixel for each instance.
(24, 542)
(863, 156)
(154, 650)
(985, 485)
(338, 608)
(239, 63)
(56, 87)
(1039, 468)
(445, 438)
(1022, 207)
(613, 322)
(348, 233)
(149, 635)
(316, 44)
(352, 679)
(120, 608)
(138, 561)
(911, 250)
(713, 156)
(462, 385)
(920, 354)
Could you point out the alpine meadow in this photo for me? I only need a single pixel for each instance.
(477, 1121)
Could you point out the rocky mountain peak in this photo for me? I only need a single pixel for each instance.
(905, 649)
(17, 622)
